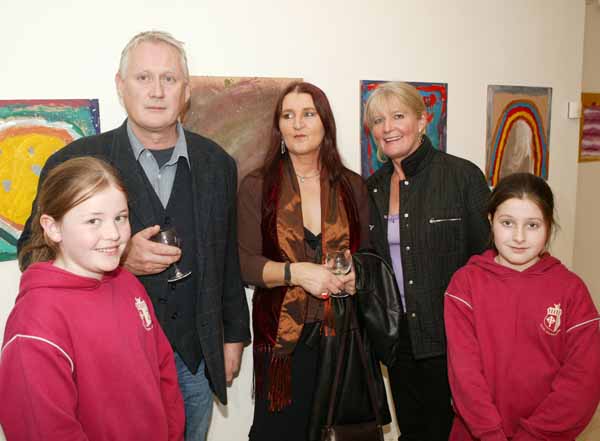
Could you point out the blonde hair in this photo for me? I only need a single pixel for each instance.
(153, 37)
(387, 93)
(66, 186)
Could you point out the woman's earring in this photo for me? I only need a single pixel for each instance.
(282, 146)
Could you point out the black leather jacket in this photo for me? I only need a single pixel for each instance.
(442, 223)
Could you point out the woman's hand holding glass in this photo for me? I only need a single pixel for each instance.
(316, 279)
(339, 263)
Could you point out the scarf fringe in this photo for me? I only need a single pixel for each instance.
(278, 378)
(280, 382)
(328, 328)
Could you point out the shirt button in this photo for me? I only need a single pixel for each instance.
(407, 248)
(410, 282)
(413, 315)
(405, 183)
(374, 190)
(405, 214)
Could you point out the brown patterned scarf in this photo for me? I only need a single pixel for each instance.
(279, 313)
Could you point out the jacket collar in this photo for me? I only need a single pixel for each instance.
(412, 165)
(419, 159)
(138, 197)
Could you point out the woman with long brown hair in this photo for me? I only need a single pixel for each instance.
(300, 204)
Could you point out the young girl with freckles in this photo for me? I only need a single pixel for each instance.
(522, 330)
(83, 356)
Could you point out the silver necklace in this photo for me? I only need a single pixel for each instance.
(303, 178)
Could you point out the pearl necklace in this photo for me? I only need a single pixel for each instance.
(303, 178)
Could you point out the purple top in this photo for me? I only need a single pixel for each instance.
(393, 232)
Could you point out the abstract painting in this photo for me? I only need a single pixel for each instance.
(30, 131)
(237, 113)
(589, 128)
(435, 96)
(518, 130)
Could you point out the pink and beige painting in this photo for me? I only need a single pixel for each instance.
(237, 113)
(589, 128)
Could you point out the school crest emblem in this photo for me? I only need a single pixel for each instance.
(551, 324)
(142, 307)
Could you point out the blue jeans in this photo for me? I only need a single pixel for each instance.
(197, 398)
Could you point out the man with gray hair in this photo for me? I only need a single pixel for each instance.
(176, 179)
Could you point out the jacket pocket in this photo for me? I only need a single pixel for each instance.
(444, 230)
(434, 220)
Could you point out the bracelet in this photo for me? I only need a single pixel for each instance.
(287, 274)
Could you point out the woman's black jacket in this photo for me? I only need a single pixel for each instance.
(442, 224)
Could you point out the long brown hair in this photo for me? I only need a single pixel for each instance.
(329, 157)
(66, 185)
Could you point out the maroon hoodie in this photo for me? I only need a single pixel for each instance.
(523, 351)
(85, 359)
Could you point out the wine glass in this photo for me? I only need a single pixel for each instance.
(169, 236)
(338, 262)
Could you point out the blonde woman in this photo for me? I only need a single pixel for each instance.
(427, 217)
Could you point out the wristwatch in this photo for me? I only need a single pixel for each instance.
(287, 274)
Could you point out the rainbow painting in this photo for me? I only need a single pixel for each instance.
(435, 96)
(589, 128)
(237, 113)
(518, 129)
(31, 131)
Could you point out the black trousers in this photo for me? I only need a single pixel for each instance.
(421, 395)
(291, 423)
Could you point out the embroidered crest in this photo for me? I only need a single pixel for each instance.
(551, 324)
(142, 308)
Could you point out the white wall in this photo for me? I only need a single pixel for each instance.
(587, 237)
(70, 49)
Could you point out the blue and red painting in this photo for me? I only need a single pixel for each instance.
(435, 96)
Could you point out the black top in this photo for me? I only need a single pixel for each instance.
(162, 156)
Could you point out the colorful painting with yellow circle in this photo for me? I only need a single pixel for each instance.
(30, 131)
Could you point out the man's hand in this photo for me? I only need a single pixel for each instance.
(233, 358)
(145, 257)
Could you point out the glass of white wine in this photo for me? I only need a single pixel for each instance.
(338, 262)
(169, 236)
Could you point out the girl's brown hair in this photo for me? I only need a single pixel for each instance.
(66, 185)
(525, 186)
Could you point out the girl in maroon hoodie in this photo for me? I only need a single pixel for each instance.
(83, 356)
(522, 330)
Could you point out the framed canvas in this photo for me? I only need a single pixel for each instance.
(589, 128)
(518, 131)
(435, 96)
(30, 131)
(237, 113)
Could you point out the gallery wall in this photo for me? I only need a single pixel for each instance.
(68, 49)
(587, 235)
